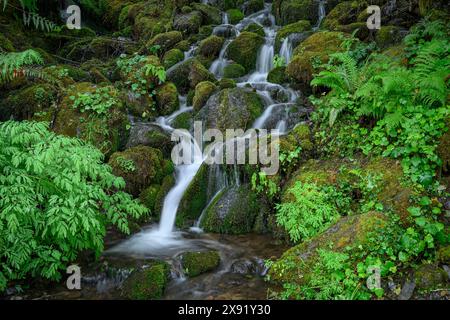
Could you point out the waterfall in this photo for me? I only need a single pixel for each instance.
(225, 18)
(322, 14)
(286, 50)
(220, 63)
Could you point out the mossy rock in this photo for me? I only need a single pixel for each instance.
(150, 18)
(172, 57)
(235, 15)
(234, 211)
(348, 232)
(147, 284)
(252, 6)
(166, 185)
(443, 255)
(211, 14)
(140, 167)
(134, 73)
(166, 40)
(37, 100)
(67, 74)
(203, 91)
(210, 47)
(194, 199)
(317, 47)
(234, 71)
(235, 108)
(343, 13)
(183, 45)
(290, 11)
(149, 195)
(226, 83)
(430, 277)
(188, 74)
(255, 28)
(244, 49)
(278, 75)
(108, 132)
(188, 23)
(286, 31)
(391, 191)
(183, 121)
(388, 36)
(167, 99)
(197, 262)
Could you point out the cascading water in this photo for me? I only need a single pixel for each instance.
(286, 50)
(322, 14)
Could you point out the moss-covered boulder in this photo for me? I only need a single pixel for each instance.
(172, 57)
(167, 99)
(234, 211)
(95, 114)
(297, 264)
(211, 14)
(235, 15)
(278, 75)
(166, 40)
(290, 11)
(226, 83)
(210, 47)
(252, 6)
(194, 199)
(140, 167)
(183, 121)
(231, 108)
(293, 28)
(430, 277)
(188, 74)
(197, 262)
(233, 71)
(255, 28)
(149, 195)
(244, 49)
(202, 93)
(343, 13)
(317, 47)
(32, 102)
(188, 23)
(148, 283)
(388, 36)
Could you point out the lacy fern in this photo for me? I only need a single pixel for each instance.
(57, 199)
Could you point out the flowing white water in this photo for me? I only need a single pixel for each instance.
(322, 13)
(220, 63)
(286, 50)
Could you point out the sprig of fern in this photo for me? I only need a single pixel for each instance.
(14, 64)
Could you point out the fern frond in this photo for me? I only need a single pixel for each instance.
(14, 64)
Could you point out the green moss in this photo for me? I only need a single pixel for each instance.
(139, 166)
(211, 14)
(188, 23)
(107, 132)
(188, 74)
(388, 36)
(149, 195)
(211, 46)
(148, 283)
(444, 254)
(234, 70)
(343, 13)
(233, 211)
(349, 232)
(235, 15)
(277, 75)
(244, 49)
(167, 184)
(166, 40)
(317, 48)
(297, 27)
(183, 45)
(202, 93)
(196, 263)
(167, 99)
(430, 277)
(252, 6)
(183, 121)
(172, 57)
(255, 28)
(25, 103)
(226, 83)
(194, 199)
(290, 11)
